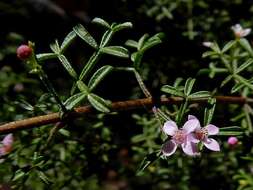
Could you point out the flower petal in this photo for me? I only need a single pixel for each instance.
(191, 125)
(236, 28)
(190, 149)
(2, 151)
(245, 32)
(169, 128)
(169, 148)
(212, 144)
(191, 138)
(8, 140)
(207, 44)
(191, 117)
(212, 129)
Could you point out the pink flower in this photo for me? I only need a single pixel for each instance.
(239, 31)
(202, 135)
(180, 137)
(24, 52)
(232, 141)
(6, 144)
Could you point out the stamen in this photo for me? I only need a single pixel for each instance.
(201, 134)
(179, 137)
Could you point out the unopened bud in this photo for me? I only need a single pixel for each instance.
(24, 52)
(19, 87)
(232, 141)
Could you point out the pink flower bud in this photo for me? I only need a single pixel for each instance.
(19, 87)
(24, 52)
(232, 141)
(154, 109)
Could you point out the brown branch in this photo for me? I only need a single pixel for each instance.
(116, 106)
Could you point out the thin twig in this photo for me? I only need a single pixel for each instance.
(116, 106)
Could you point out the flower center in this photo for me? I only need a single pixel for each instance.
(201, 134)
(179, 137)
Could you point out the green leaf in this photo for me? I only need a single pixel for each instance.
(82, 87)
(226, 80)
(84, 34)
(228, 46)
(67, 66)
(231, 128)
(160, 35)
(138, 138)
(172, 90)
(25, 105)
(178, 82)
(43, 177)
(106, 38)
(122, 26)
(136, 57)
(246, 45)
(244, 81)
(90, 64)
(46, 56)
(18, 175)
(200, 94)
(208, 53)
(132, 43)
(64, 132)
(215, 48)
(149, 44)
(99, 103)
(147, 161)
(167, 13)
(44, 97)
(116, 51)
(37, 159)
(203, 71)
(101, 22)
(157, 36)
(237, 87)
(230, 133)
(142, 40)
(74, 100)
(188, 86)
(67, 41)
(209, 111)
(182, 111)
(99, 75)
(55, 47)
(244, 65)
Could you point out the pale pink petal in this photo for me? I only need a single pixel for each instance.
(191, 138)
(8, 140)
(169, 128)
(2, 151)
(169, 148)
(212, 129)
(190, 149)
(207, 44)
(191, 125)
(236, 28)
(245, 32)
(212, 144)
(191, 117)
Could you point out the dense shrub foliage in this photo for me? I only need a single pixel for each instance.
(179, 72)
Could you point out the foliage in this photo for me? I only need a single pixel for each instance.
(122, 150)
